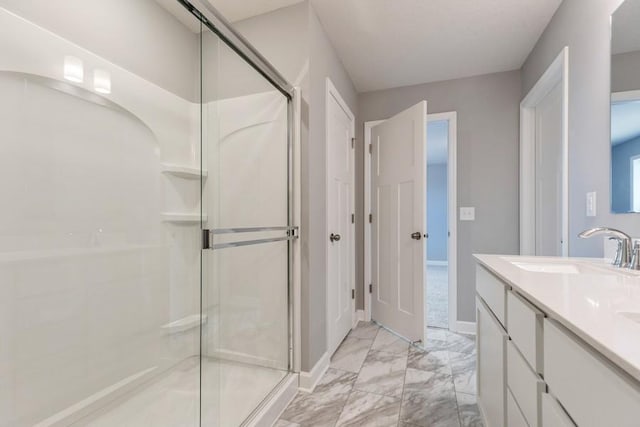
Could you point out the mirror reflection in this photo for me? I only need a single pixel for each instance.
(625, 108)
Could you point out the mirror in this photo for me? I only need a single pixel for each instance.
(625, 108)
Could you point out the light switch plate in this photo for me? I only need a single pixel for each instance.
(591, 203)
(467, 214)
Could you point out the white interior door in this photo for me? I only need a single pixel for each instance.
(341, 255)
(399, 221)
(548, 146)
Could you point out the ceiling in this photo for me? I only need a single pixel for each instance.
(391, 43)
(237, 10)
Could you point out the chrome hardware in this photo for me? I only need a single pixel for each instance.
(334, 237)
(417, 235)
(208, 236)
(623, 255)
(634, 264)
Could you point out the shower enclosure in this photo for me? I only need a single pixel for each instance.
(147, 234)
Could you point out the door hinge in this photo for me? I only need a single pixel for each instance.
(353, 218)
(353, 294)
(370, 148)
(353, 143)
(370, 288)
(370, 218)
(206, 239)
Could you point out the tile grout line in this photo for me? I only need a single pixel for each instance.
(356, 380)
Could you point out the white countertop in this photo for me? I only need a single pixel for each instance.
(589, 303)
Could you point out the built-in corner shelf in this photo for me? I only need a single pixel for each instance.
(183, 218)
(186, 172)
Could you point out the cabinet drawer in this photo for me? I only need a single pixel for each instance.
(591, 390)
(552, 413)
(525, 385)
(524, 326)
(514, 416)
(493, 291)
(491, 375)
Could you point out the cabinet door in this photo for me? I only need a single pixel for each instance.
(492, 354)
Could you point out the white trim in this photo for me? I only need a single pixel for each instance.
(331, 91)
(437, 263)
(367, 226)
(360, 315)
(558, 72)
(468, 328)
(277, 403)
(309, 380)
(297, 219)
(452, 218)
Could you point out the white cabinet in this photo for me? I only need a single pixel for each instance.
(493, 292)
(525, 386)
(492, 384)
(524, 326)
(592, 391)
(533, 372)
(552, 413)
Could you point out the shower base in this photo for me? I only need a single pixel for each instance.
(230, 393)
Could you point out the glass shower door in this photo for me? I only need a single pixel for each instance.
(245, 269)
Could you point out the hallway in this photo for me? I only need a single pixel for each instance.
(378, 379)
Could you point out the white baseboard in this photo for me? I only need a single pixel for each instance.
(360, 315)
(278, 402)
(466, 327)
(437, 263)
(309, 380)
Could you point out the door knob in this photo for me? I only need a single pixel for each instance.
(334, 237)
(417, 235)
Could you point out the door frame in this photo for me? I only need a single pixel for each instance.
(452, 249)
(556, 73)
(332, 91)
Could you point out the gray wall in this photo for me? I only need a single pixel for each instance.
(625, 71)
(437, 212)
(324, 63)
(291, 39)
(488, 134)
(138, 35)
(583, 25)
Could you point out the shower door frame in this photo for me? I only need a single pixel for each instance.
(213, 20)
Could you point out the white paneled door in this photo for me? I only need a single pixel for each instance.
(399, 222)
(340, 232)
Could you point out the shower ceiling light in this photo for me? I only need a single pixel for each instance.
(101, 81)
(73, 69)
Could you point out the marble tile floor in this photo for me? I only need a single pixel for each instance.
(378, 379)
(438, 296)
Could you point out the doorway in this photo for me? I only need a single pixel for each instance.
(340, 131)
(440, 205)
(544, 151)
(450, 291)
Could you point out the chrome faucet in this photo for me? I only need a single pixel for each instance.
(625, 243)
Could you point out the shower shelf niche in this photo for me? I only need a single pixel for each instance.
(183, 218)
(186, 172)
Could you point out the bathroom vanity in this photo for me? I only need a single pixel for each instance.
(558, 342)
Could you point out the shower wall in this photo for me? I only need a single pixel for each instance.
(99, 240)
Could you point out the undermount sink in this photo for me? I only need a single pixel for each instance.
(565, 266)
(542, 267)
